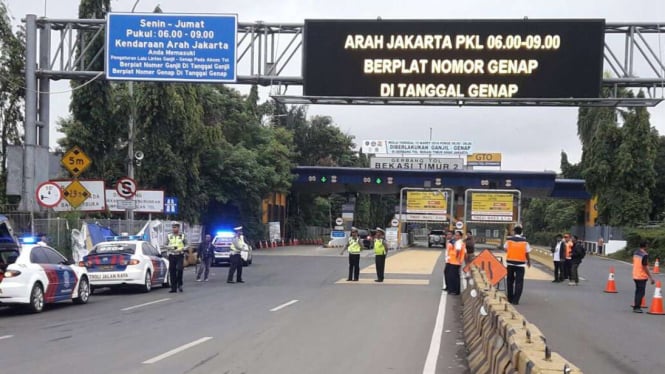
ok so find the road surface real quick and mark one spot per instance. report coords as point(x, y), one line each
point(295, 314)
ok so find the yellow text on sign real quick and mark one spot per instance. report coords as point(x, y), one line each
point(75, 161)
point(485, 157)
point(426, 202)
point(492, 203)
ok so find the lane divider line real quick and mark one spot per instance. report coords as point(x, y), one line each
point(283, 305)
point(145, 304)
point(437, 334)
point(176, 350)
point(6, 337)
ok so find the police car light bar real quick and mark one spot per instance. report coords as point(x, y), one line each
point(225, 234)
point(121, 237)
point(29, 239)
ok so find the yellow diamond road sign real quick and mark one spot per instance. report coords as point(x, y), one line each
point(75, 194)
point(75, 161)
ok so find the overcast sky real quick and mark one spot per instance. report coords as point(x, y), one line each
point(541, 132)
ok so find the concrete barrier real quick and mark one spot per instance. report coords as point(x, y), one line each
point(499, 339)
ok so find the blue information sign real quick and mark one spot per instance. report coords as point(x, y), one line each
point(336, 234)
point(171, 47)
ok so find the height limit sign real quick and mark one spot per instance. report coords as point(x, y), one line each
point(75, 161)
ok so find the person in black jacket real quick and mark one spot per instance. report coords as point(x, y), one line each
point(578, 253)
point(205, 253)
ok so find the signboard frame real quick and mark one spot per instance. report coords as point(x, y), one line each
point(416, 163)
point(167, 32)
point(517, 194)
point(398, 58)
point(94, 186)
point(109, 196)
point(419, 148)
point(488, 159)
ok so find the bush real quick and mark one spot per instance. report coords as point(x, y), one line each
point(655, 239)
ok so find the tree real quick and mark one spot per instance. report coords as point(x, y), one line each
point(658, 193)
point(12, 62)
point(99, 115)
point(635, 176)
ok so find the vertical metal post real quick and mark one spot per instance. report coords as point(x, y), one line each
point(130, 134)
point(29, 187)
point(44, 85)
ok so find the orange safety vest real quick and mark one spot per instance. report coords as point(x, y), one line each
point(638, 269)
point(453, 258)
point(516, 250)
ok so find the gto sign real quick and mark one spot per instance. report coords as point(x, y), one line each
point(483, 159)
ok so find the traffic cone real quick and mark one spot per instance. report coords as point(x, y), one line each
point(657, 301)
point(656, 267)
point(611, 286)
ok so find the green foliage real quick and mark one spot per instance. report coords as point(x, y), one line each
point(618, 161)
point(655, 237)
point(12, 83)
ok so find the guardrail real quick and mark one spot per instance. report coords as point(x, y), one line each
point(499, 339)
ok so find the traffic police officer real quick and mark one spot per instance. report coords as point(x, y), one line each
point(176, 246)
point(235, 260)
point(380, 251)
point(353, 246)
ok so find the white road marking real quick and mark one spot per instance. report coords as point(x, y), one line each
point(6, 337)
point(177, 350)
point(283, 305)
point(145, 304)
point(435, 344)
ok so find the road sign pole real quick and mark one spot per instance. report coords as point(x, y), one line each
point(130, 134)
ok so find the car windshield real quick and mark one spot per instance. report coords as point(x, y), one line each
point(363, 233)
point(104, 248)
point(436, 232)
point(222, 241)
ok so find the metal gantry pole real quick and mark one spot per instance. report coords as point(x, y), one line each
point(29, 186)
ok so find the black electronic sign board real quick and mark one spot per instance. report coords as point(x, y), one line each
point(453, 58)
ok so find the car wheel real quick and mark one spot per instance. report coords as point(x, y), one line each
point(36, 299)
point(147, 284)
point(84, 291)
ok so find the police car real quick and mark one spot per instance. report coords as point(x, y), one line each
point(126, 261)
point(34, 274)
point(222, 243)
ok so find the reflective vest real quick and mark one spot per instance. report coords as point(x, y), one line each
point(516, 250)
point(237, 245)
point(638, 269)
point(379, 247)
point(177, 242)
point(354, 246)
point(453, 257)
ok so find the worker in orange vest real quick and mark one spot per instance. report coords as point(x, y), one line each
point(640, 275)
point(456, 252)
point(517, 258)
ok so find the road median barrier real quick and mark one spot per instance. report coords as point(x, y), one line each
point(499, 339)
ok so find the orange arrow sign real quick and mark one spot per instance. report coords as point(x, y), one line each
point(491, 265)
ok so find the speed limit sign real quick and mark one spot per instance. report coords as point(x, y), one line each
point(126, 187)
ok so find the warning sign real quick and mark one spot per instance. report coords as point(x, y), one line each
point(491, 265)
